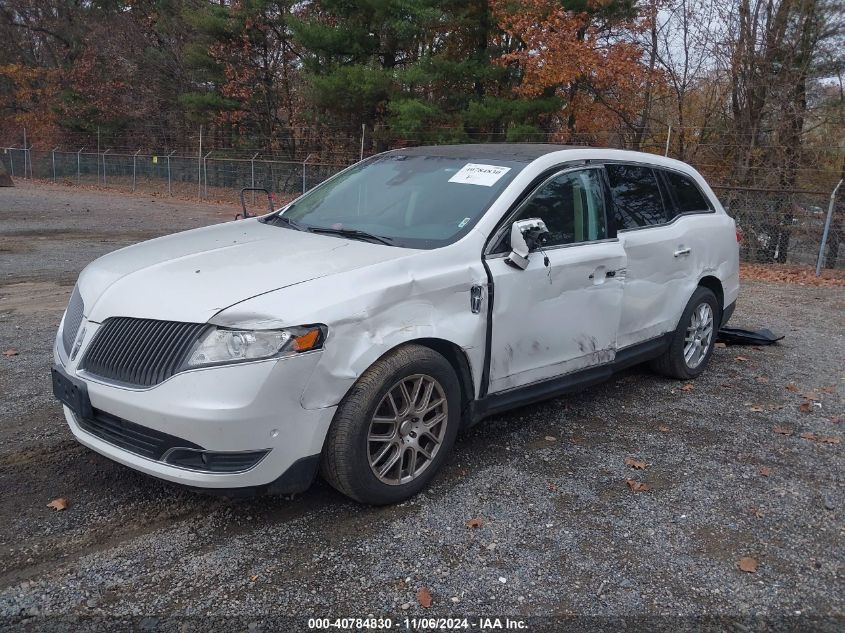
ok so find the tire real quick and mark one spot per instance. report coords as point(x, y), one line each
point(352, 462)
point(673, 363)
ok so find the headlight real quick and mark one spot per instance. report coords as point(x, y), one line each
point(219, 345)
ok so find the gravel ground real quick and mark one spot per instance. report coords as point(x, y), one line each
point(561, 533)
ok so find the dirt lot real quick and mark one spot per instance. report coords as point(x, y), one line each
point(736, 469)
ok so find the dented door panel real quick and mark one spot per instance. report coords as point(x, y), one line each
point(550, 321)
point(665, 264)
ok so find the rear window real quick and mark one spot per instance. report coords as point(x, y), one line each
point(637, 201)
point(687, 195)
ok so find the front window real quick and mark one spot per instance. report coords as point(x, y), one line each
point(572, 207)
point(406, 200)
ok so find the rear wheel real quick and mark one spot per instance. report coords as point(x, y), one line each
point(692, 343)
point(394, 428)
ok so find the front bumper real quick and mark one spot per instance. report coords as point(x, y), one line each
point(233, 408)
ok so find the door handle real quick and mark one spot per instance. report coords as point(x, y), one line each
point(682, 251)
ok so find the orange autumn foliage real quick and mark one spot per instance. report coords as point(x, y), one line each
point(599, 75)
point(32, 91)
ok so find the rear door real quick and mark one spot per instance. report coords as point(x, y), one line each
point(560, 314)
point(665, 225)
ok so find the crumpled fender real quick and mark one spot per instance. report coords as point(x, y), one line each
point(371, 310)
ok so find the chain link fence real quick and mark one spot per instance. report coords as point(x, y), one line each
point(779, 226)
point(206, 177)
point(786, 226)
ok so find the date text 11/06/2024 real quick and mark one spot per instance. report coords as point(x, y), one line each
point(417, 624)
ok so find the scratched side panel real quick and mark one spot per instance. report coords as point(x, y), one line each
point(370, 311)
point(552, 321)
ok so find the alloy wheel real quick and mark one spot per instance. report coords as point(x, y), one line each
point(699, 335)
point(407, 429)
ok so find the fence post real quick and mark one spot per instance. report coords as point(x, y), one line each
point(54, 163)
point(77, 164)
point(98, 154)
point(305, 162)
point(169, 190)
point(104, 165)
point(199, 168)
point(826, 228)
point(11, 162)
point(363, 132)
point(24, 155)
point(134, 157)
point(205, 172)
point(668, 137)
point(252, 167)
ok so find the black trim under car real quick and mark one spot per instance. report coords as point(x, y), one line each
point(297, 478)
point(727, 313)
point(488, 405)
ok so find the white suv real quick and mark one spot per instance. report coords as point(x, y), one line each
point(356, 330)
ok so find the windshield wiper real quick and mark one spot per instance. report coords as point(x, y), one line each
point(281, 219)
point(354, 234)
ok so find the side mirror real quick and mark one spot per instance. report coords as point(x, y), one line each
point(526, 235)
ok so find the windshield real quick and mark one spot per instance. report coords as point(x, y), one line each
point(412, 201)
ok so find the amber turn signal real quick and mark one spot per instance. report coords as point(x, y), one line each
point(307, 341)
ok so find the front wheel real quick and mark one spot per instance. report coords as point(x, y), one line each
point(693, 340)
point(394, 428)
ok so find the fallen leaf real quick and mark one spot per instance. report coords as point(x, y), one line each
point(828, 389)
point(829, 440)
point(756, 409)
point(741, 359)
point(550, 438)
point(805, 407)
point(808, 435)
point(837, 419)
point(687, 387)
point(553, 487)
point(663, 429)
point(791, 387)
point(782, 430)
point(10, 352)
point(757, 512)
point(474, 523)
point(58, 504)
point(720, 345)
point(747, 564)
point(762, 379)
point(254, 578)
point(635, 463)
point(783, 273)
point(424, 597)
point(765, 471)
point(637, 486)
point(810, 395)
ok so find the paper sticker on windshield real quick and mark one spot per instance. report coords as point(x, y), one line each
point(464, 222)
point(475, 174)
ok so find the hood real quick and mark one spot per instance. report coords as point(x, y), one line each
point(191, 276)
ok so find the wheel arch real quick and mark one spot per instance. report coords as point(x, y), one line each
point(458, 360)
point(455, 355)
point(713, 284)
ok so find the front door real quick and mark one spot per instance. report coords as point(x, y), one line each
point(561, 313)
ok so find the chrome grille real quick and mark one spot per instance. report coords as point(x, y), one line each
point(73, 319)
point(140, 352)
